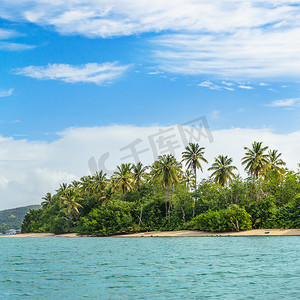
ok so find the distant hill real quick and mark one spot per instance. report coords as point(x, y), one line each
point(13, 218)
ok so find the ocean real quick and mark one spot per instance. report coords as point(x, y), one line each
point(150, 268)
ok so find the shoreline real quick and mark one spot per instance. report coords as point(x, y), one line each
point(179, 233)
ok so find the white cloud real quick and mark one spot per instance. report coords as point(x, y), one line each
point(209, 84)
point(291, 102)
point(92, 72)
point(240, 39)
point(6, 93)
point(212, 86)
point(227, 83)
point(15, 46)
point(7, 33)
point(105, 18)
point(29, 170)
point(154, 73)
point(246, 87)
point(241, 54)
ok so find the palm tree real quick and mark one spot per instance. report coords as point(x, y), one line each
point(256, 161)
point(108, 193)
point(70, 201)
point(75, 184)
point(168, 172)
point(47, 200)
point(62, 188)
point(276, 164)
point(188, 178)
point(123, 178)
point(87, 184)
point(193, 157)
point(99, 182)
point(222, 170)
point(139, 172)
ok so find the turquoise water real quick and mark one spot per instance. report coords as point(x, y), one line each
point(150, 268)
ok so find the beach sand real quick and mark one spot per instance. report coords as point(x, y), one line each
point(41, 235)
point(254, 232)
point(180, 233)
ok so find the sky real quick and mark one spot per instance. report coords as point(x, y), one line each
point(81, 81)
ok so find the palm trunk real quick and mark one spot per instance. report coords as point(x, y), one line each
point(170, 200)
point(194, 203)
point(183, 214)
point(166, 202)
point(195, 173)
point(140, 217)
point(253, 182)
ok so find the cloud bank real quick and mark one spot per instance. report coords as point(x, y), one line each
point(28, 170)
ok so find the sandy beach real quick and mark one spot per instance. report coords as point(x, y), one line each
point(180, 233)
point(41, 235)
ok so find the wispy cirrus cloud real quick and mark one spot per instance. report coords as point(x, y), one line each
point(286, 103)
point(91, 73)
point(212, 86)
point(241, 54)
point(224, 85)
point(6, 93)
point(7, 34)
point(15, 46)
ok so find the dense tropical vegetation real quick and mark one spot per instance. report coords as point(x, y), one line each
point(164, 196)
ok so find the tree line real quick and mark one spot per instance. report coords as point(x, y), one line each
point(167, 196)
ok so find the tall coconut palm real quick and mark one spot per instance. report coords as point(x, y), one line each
point(87, 184)
point(193, 157)
point(188, 178)
point(62, 188)
point(256, 161)
point(276, 164)
point(99, 182)
point(75, 184)
point(167, 170)
point(139, 173)
point(70, 200)
point(47, 200)
point(108, 193)
point(222, 170)
point(123, 178)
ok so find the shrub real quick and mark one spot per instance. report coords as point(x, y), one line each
point(234, 218)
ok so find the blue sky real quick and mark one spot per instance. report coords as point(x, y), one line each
point(104, 63)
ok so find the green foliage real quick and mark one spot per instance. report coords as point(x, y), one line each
point(261, 211)
point(287, 216)
point(109, 219)
point(13, 218)
point(233, 218)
